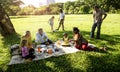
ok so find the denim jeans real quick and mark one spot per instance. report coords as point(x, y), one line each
point(98, 25)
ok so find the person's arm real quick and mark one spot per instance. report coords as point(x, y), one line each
point(37, 38)
point(59, 19)
point(63, 16)
point(45, 37)
point(49, 21)
point(94, 17)
point(105, 15)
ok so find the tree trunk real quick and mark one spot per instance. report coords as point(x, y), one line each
point(6, 26)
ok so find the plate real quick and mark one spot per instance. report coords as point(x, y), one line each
point(42, 45)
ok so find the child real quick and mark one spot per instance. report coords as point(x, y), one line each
point(51, 22)
point(25, 51)
point(65, 39)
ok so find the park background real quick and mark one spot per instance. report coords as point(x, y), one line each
point(78, 14)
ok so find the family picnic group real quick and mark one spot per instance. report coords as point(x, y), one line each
point(78, 40)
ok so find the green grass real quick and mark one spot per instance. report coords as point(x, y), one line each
point(87, 61)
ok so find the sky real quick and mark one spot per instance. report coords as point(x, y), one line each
point(37, 3)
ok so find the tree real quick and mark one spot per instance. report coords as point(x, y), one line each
point(84, 9)
point(11, 6)
point(71, 10)
point(6, 26)
point(66, 6)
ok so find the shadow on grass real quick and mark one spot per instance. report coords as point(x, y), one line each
point(11, 40)
point(53, 64)
point(107, 63)
point(6, 43)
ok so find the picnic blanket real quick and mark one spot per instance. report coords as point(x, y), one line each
point(57, 51)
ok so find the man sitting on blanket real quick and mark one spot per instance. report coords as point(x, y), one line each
point(41, 37)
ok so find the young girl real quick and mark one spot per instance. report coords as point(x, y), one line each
point(51, 22)
point(25, 51)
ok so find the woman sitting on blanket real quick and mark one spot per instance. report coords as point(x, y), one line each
point(79, 41)
point(27, 37)
point(28, 43)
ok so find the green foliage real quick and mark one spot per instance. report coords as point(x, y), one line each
point(28, 10)
point(75, 7)
point(84, 9)
point(71, 10)
point(11, 6)
point(48, 9)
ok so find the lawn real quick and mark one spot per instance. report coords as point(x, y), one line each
point(82, 61)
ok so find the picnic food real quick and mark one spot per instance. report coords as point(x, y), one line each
point(58, 42)
point(49, 51)
point(39, 49)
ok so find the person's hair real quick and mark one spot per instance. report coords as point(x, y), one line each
point(75, 30)
point(97, 7)
point(24, 43)
point(27, 32)
point(40, 29)
point(53, 17)
point(61, 11)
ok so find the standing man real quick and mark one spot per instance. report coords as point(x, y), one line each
point(61, 19)
point(98, 15)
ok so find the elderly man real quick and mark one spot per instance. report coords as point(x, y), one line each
point(41, 37)
point(98, 15)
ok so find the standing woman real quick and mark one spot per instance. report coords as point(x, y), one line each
point(61, 19)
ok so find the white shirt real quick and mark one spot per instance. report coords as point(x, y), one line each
point(62, 15)
point(41, 38)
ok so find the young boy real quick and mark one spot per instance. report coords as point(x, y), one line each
point(51, 22)
point(65, 39)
